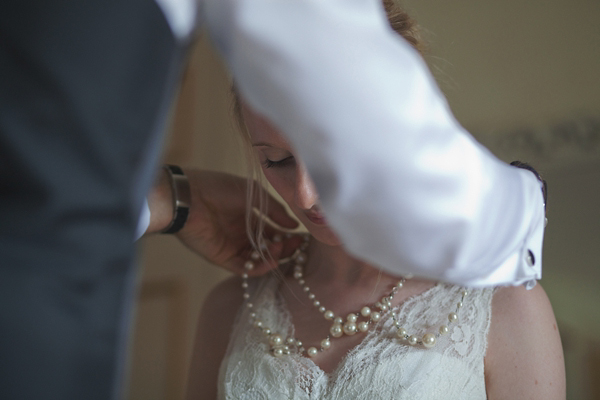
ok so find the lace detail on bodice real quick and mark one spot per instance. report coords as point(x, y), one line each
point(380, 367)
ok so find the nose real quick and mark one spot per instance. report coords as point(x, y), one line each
point(305, 195)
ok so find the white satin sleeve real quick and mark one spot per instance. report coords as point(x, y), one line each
point(402, 183)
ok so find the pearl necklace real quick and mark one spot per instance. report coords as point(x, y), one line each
point(280, 346)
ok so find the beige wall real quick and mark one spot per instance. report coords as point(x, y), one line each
point(521, 75)
point(172, 278)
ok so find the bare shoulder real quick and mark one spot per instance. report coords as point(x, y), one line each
point(524, 358)
point(518, 305)
point(212, 337)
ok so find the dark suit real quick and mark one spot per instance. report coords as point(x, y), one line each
point(84, 90)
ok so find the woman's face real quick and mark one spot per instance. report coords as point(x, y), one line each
point(288, 175)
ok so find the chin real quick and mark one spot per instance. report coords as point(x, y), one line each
point(325, 235)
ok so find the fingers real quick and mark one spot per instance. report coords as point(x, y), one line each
point(273, 255)
point(279, 248)
point(254, 265)
point(290, 245)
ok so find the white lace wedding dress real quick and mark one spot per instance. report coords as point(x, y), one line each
point(380, 367)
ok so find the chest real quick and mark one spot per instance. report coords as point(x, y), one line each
point(372, 365)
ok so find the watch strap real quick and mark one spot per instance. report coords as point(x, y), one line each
point(180, 190)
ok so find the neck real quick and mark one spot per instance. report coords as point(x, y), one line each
point(333, 264)
point(333, 270)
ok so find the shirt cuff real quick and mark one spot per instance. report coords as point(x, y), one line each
point(143, 221)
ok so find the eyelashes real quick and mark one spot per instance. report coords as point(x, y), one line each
point(281, 163)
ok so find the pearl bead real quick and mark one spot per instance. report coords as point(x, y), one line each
point(383, 308)
point(258, 323)
point(336, 330)
point(459, 304)
point(349, 328)
point(306, 289)
point(255, 255)
point(302, 281)
point(400, 284)
point(301, 258)
point(375, 316)
point(325, 344)
point(316, 303)
point(429, 340)
point(252, 315)
point(464, 293)
point(312, 351)
point(275, 340)
point(246, 296)
point(386, 301)
point(452, 317)
point(278, 352)
point(291, 341)
point(329, 314)
point(412, 340)
point(322, 309)
point(338, 320)
point(401, 333)
point(245, 285)
point(351, 318)
point(311, 296)
point(378, 305)
point(287, 352)
point(249, 265)
point(297, 275)
point(363, 326)
point(298, 343)
point(244, 276)
point(266, 331)
point(443, 330)
point(249, 305)
point(365, 311)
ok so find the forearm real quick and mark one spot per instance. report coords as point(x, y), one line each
point(402, 183)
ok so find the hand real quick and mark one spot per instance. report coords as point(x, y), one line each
point(216, 225)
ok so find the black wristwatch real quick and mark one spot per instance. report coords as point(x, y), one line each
point(180, 190)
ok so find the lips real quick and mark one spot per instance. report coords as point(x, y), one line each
point(316, 217)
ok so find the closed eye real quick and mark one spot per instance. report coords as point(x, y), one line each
point(280, 163)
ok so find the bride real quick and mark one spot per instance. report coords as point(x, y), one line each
point(329, 326)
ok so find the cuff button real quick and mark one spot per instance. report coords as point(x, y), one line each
point(530, 258)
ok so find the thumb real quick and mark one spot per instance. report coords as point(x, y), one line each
point(274, 254)
point(290, 245)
